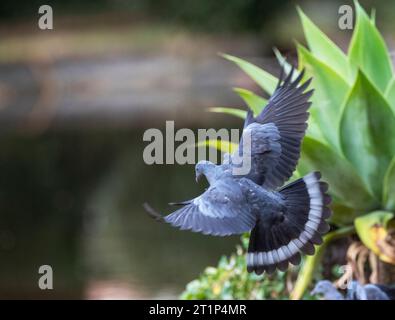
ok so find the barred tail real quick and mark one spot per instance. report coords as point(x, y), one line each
point(302, 226)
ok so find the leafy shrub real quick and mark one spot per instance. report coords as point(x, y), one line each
point(229, 280)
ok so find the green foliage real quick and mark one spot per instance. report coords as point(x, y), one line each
point(328, 99)
point(336, 170)
point(229, 280)
point(232, 111)
point(389, 187)
point(368, 128)
point(253, 101)
point(373, 228)
point(322, 47)
point(264, 79)
point(223, 146)
point(351, 135)
point(368, 51)
point(390, 93)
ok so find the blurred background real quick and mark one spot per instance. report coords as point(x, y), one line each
point(74, 104)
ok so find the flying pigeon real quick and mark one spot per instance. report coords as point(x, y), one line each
point(284, 220)
point(356, 291)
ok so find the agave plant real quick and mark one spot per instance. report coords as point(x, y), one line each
point(351, 132)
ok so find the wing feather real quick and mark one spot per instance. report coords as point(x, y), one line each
point(276, 133)
point(221, 210)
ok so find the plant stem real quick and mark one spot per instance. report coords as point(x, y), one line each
point(310, 264)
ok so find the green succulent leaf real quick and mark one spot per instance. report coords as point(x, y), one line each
point(223, 146)
point(390, 93)
point(323, 48)
point(369, 52)
point(343, 214)
point(367, 132)
point(231, 111)
point(344, 182)
point(253, 101)
point(264, 79)
point(313, 129)
point(284, 63)
point(389, 187)
point(373, 16)
point(330, 90)
point(372, 229)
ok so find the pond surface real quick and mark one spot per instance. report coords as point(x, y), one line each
point(73, 180)
point(73, 200)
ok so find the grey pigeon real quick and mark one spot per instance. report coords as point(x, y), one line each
point(356, 291)
point(284, 220)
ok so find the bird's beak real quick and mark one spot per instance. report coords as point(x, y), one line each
point(198, 177)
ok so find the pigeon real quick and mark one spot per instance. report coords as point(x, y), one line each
point(284, 221)
point(355, 291)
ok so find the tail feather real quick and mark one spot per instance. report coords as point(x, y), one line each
point(301, 228)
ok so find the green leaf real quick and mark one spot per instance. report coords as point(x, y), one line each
point(367, 132)
point(313, 129)
point(344, 183)
point(284, 63)
point(389, 187)
point(232, 111)
point(264, 79)
point(329, 93)
point(253, 101)
point(323, 48)
point(342, 214)
point(390, 93)
point(223, 146)
point(369, 52)
point(372, 229)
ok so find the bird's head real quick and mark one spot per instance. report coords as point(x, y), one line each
point(204, 168)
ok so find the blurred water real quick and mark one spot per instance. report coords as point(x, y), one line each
point(73, 200)
point(73, 180)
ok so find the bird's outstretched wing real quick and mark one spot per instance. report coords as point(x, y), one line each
point(276, 133)
point(221, 210)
